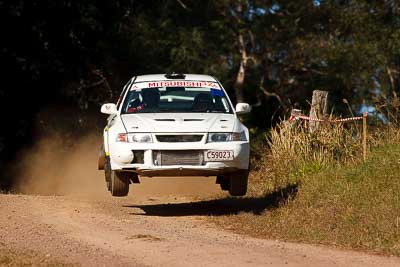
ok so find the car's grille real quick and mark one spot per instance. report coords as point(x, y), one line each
point(179, 138)
point(178, 157)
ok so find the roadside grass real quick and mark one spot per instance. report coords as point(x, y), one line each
point(339, 199)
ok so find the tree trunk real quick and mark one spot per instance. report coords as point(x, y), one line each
point(319, 108)
point(242, 71)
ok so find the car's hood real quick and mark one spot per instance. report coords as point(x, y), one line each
point(178, 122)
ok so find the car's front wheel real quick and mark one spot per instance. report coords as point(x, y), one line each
point(223, 181)
point(238, 183)
point(107, 173)
point(119, 186)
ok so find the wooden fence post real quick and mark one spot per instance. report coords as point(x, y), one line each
point(365, 114)
point(319, 108)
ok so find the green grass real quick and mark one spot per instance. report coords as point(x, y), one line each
point(355, 206)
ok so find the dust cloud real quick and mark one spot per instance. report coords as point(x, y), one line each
point(57, 166)
point(60, 165)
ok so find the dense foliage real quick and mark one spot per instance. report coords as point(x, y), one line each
point(269, 53)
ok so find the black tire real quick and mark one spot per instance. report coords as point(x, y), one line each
point(107, 173)
point(101, 162)
point(223, 182)
point(224, 186)
point(119, 184)
point(238, 183)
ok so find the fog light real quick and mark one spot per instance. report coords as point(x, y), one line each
point(125, 157)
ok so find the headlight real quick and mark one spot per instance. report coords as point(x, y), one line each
point(135, 138)
point(140, 138)
point(219, 137)
point(226, 137)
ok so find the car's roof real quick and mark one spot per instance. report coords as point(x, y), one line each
point(161, 77)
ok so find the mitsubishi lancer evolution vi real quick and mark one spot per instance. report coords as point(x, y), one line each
point(175, 125)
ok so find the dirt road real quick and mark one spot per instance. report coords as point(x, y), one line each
point(150, 230)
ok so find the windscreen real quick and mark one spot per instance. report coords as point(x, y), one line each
point(176, 97)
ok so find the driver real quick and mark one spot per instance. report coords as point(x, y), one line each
point(135, 103)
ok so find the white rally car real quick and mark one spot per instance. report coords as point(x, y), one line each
point(175, 125)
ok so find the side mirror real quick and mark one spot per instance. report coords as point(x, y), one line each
point(242, 108)
point(109, 108)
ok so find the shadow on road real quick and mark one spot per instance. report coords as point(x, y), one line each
point(218, 207)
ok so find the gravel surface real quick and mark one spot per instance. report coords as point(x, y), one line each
point(148, 231)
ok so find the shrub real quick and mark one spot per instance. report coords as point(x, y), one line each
point(294, 151)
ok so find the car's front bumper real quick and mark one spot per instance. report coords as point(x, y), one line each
point(185, 171)
point(149, 166)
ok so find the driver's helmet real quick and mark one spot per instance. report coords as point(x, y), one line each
point(136, 102)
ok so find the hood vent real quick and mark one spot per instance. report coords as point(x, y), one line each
point(183, 119)
point(193, 119)
point(164, 119)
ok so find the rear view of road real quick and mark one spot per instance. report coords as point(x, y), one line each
point(144, 231)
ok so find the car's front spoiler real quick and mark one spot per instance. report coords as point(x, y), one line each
point(180, 171)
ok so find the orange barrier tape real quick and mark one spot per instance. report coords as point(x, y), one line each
point(303, 117)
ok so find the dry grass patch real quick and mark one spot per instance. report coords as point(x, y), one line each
point(145, 237)
point(12, 257)
point(339, 200)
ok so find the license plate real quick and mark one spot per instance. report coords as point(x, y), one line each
point(218, 155)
